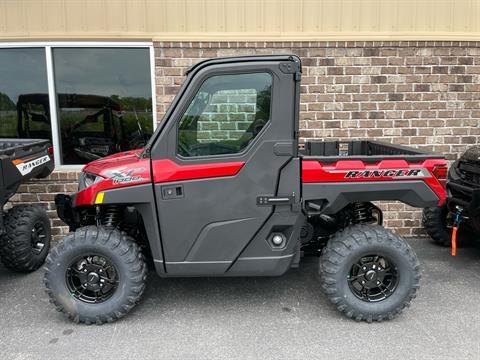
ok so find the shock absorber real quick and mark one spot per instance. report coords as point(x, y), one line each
point(366, 213)
point(111, 216)
point(361, 213)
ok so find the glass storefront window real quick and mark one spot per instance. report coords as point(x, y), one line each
point(104, 101)
point(24, 105)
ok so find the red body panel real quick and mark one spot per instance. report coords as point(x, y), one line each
point(314, 171)
point(167, 170)
point(118, 170)
point(129, 169)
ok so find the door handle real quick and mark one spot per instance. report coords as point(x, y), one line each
point(172, 192)
point(268, 200)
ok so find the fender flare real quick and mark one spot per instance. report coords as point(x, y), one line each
point(142, 198)
point(337, 195)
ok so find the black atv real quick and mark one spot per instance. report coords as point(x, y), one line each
point(24, 229)
point(462, 208)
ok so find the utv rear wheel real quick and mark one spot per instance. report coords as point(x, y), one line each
point(434, 221)
point(26, 241)
point(369, 273)
point(95, 275)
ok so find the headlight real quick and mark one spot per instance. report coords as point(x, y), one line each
point(86, 179)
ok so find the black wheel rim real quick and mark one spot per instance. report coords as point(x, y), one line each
point(92, 279)
point(373, 278)
point(38, 237)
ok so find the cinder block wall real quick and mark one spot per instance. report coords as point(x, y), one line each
point(423, 94)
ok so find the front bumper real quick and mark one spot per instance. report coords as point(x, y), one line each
point(466, 197)
point(65, 211)
point(462, 193)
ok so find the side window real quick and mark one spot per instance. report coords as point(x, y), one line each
point(225, 115)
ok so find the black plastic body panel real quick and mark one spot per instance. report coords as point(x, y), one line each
point(141, 197)
point(65, 210)
point(337, 195)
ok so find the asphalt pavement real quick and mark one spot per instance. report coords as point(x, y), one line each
point(253, 318)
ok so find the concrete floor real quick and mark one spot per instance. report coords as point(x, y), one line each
point(253, 318)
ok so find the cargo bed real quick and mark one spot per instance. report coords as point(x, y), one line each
point(366, 150)
point(341, 172)
point(19, 147)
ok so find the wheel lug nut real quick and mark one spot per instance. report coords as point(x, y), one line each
point(373, 266)
point(363, 282)
point(378, 282)
point(364, 268)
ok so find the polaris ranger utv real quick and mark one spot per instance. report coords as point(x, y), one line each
point(461, 211)
point(222, 189)
point(24, 229)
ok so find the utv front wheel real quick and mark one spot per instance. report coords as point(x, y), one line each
point(26, 241)
point(95, 275)
point(369, 273)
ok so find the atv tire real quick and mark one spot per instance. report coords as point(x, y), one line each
point(359, 258)
point(83, 261)
point(26, 241)
point(434, 222)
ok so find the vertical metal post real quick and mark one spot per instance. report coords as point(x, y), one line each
point(154, 92)
point(52, 97)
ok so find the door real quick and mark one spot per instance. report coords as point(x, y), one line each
point(231, 132)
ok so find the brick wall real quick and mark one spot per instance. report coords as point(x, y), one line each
point(231, 112)
point(423, 94)
point(42, 192)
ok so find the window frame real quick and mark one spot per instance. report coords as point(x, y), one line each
point(48, 46)
point(254, 140)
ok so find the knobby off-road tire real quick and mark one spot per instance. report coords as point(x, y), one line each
point(360, 242)
point(95, 248)
point(26, 241)
point(434, 222)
